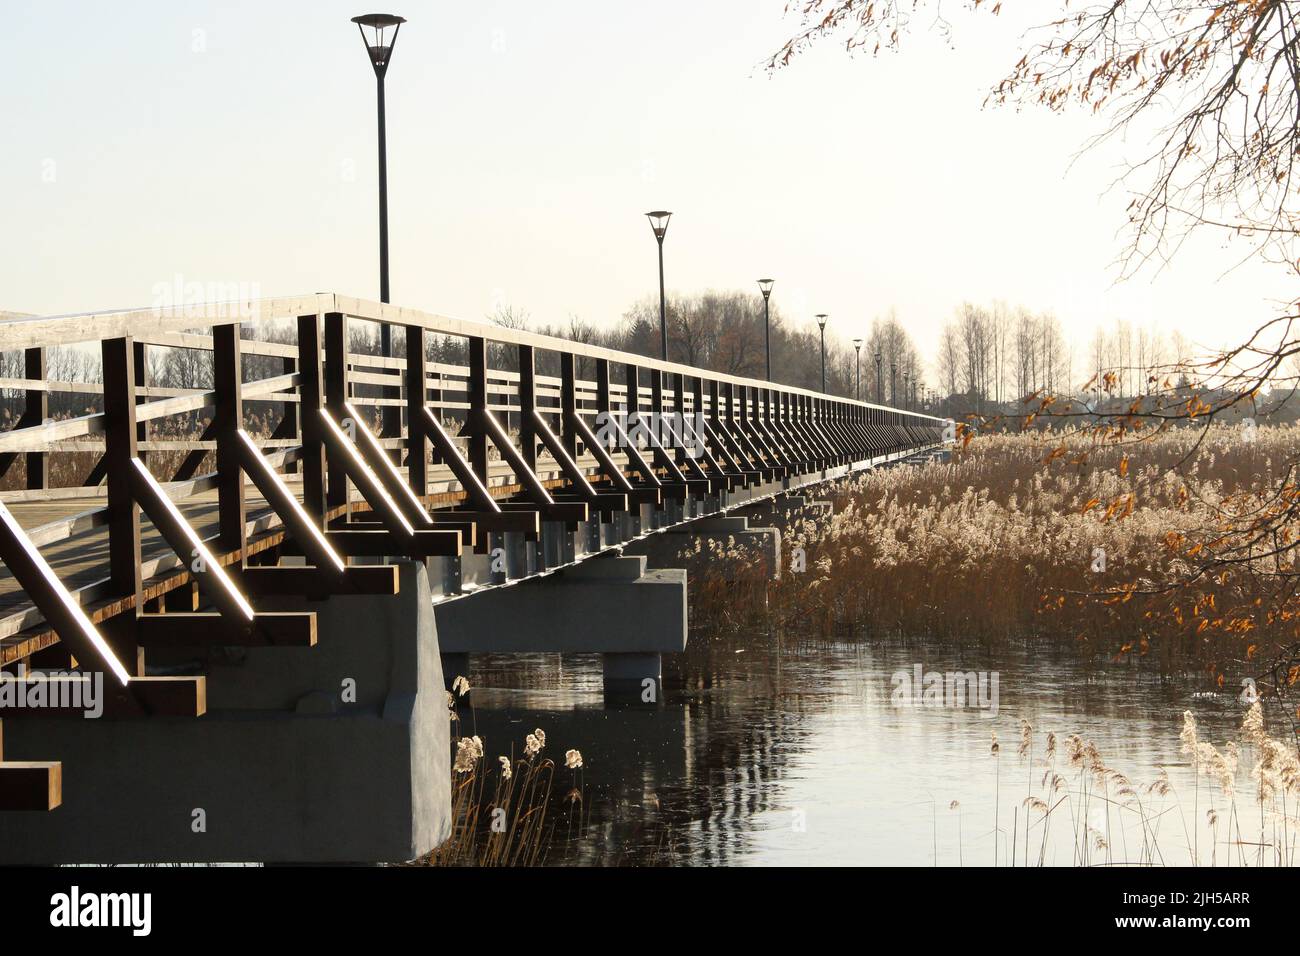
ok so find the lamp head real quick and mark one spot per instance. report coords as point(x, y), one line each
point(765, 286)
point(379, 34)
point(821, 320)
point(659, 222)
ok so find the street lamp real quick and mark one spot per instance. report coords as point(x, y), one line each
point(880, 398)
point(906, 374)
point(821, 324)
point(379, 34)
point(893, 384)
point(659, 223)
point(857, 369)
point(765, 287)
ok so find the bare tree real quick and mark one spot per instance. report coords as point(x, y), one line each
point(1218, 80)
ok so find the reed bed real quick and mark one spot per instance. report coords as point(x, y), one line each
point(1230, 817)
point(508, 810)
point(1028, 536)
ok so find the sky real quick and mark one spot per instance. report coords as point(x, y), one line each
point(232, 144)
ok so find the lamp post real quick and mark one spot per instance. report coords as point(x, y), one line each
point(880, 397)
point(375, 34)
point(906, 374)
point(659, 223)
point(893, 384)
point(821, 324)
point(765, 287)
point(379, 34)
point(857, 369)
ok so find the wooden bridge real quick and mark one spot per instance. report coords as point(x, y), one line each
point(310, 466)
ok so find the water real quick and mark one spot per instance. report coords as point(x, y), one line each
point(782, 752)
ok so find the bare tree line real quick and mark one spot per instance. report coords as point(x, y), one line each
point(723, 331)
point(990, 355)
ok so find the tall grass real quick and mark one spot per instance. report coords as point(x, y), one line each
point(1112, 821)
point(507, 810)
point(1001, 543)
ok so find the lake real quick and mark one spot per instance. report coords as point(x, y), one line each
point(779, 751)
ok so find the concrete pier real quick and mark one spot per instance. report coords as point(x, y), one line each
point(326, 754)
point(611, 605)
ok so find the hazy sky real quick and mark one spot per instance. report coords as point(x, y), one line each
point(233, 142)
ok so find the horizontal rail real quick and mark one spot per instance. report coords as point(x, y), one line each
point(153, 324)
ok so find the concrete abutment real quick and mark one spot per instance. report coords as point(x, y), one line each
point(327, 754)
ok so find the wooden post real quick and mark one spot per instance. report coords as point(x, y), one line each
point(602, 386)
point(336, 393)
point(633, 384)
point(527, 405)
point(390, 416)
point(417, 448)
point(568, 404)
point(227, 419)
point(291, 423)
point(140, 357)
point(311, 393)
point(477, 387)
point(120, 448)
point(35, 410)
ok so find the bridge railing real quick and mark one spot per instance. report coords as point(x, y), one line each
point(488, 431)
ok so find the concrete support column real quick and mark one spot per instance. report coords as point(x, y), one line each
point(591, 534)
point(327, 754)
point(633, 678)
point(608, 605)
point(497, 567)
point(519, 560)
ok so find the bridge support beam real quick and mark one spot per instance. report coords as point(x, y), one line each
point(610, 605)
point(336, 753)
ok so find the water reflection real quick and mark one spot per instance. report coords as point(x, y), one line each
point(771, 751)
